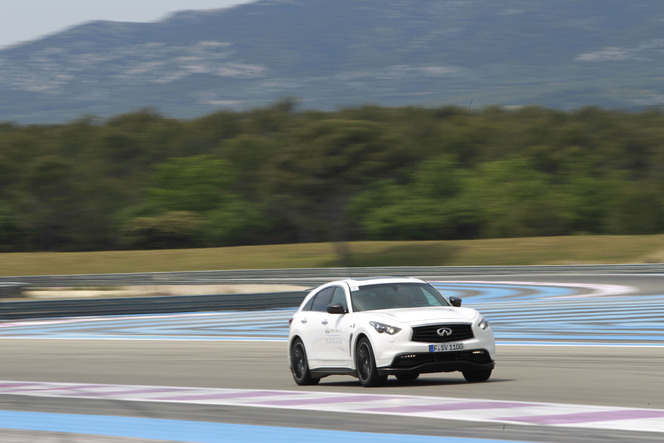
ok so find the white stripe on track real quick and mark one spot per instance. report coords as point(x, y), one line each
point(596, 289)
point(446, 408)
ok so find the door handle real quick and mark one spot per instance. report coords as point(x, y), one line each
point(304, 320)
point(324, 321)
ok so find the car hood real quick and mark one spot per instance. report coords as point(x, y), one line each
point(413, 316)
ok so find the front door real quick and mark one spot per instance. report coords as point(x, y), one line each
point(338, 332)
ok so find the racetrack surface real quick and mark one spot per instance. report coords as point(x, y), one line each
point(601, 373)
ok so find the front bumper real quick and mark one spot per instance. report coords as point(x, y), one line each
point(427, 362)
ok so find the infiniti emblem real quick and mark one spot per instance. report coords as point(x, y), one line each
point(444, 332)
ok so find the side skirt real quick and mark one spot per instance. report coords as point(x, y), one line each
point(324, 372)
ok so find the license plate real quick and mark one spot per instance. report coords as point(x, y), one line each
point(446, 347)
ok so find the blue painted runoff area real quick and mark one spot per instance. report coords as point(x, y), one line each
point(198, 432)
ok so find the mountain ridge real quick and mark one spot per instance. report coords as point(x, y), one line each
point(566, 54)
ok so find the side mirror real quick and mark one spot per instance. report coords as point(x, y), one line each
point(455, 301)
point(336, 308)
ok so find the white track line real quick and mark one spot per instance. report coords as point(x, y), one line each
point(446, 408)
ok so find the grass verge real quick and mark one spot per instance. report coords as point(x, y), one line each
point(515, 251)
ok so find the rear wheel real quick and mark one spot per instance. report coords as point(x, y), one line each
point(300, 366)
point(365, 362)
point(477, 375)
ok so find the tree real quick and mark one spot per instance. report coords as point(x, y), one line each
point(195, 184)
point(638, 208)
point(426, 208)
point(513, 200)
point(46, 200)
point(237, 222)
point(8, 230)
point(327, 163)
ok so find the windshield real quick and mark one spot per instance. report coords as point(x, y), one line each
point(396, 295)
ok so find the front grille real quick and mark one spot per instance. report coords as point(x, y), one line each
point(429, 334)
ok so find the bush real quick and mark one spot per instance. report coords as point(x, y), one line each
point(171, 230)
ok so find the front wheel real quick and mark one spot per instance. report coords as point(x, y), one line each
point(477, 375)
point(300, 366)
point(367, 372)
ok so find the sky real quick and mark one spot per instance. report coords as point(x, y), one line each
point(24, 20)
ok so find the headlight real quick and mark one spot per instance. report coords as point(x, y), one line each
point(381, 327)
point(483, 324)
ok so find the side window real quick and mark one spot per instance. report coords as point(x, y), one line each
point(307, 307)
point(322, 299)
point(339, 296)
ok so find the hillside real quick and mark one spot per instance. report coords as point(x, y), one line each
point(329, 54)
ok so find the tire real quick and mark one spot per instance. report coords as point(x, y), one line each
point(365, 362)
point(300, 365)
point(408, 376)
point(477, 375)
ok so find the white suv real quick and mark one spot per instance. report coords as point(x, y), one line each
point(375, 327)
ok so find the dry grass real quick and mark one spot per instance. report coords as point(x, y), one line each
point(516, 251)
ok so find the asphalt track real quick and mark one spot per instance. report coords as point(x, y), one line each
point(600, 374)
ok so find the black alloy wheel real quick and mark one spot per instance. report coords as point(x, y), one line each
point(300, 366)
point(367, 372)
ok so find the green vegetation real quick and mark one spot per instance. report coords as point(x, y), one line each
point(277, 175)
point(518, 251)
